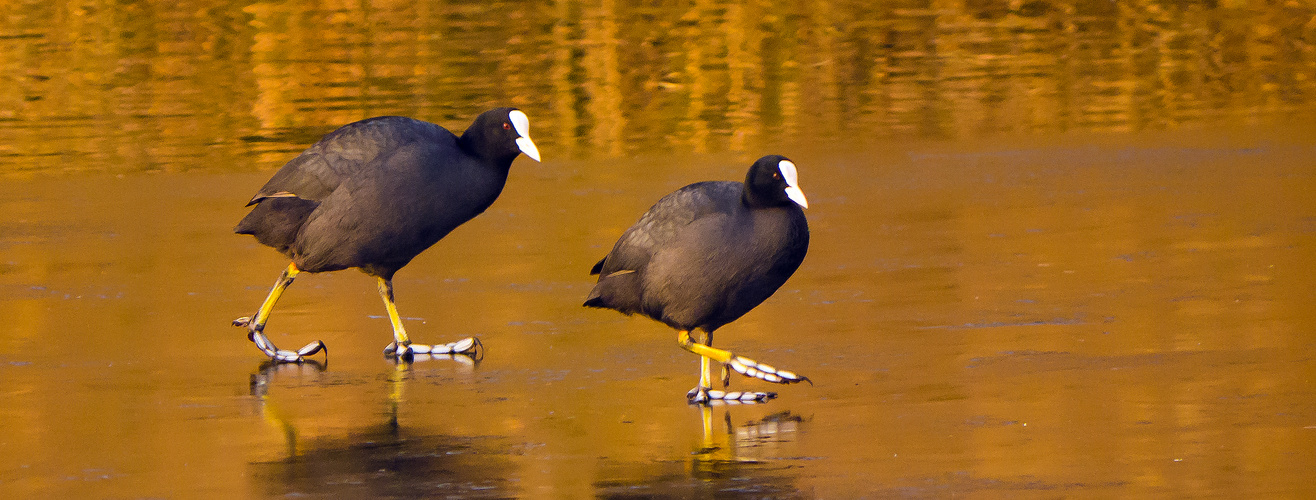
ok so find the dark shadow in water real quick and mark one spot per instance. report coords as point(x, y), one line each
point(385, 460)
point(268, 370)
point(380, 460)
point(727, 464)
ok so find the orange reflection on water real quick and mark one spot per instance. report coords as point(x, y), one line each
point(1059, 249)
point(176, 86)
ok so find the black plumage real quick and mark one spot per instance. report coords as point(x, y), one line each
point(709, 252)
point(376, 193)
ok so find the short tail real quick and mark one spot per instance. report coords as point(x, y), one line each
point(598, 268)
point(619, 291)
point(595, 298)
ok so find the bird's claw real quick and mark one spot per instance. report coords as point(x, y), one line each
point(751, 368)
point(285, 356)
point(469, 346)
point(256, 336)
point(703, 395)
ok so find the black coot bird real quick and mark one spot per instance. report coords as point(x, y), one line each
point(705, 255)
point(373, 195)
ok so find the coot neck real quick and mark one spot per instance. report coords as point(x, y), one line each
point(752, 200)
point(474, 141)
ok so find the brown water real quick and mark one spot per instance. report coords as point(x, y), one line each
point(1060, 249)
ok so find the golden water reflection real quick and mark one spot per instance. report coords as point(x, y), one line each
point(173, 86)
point(1059, 249)
point(1105, 315)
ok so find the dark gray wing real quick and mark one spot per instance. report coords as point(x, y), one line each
point(665, 220)
point(283, 205)
point(320, 169)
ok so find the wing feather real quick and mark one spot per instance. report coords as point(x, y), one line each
point(320, 169)
point(665, 220)
point(295, 193)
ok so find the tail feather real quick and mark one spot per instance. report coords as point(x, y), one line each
point(276, 221)
point(595, 298)
point(619, 291)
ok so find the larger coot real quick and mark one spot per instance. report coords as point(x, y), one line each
point(374, 194)
point(705, 255)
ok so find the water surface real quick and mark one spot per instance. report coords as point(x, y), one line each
point(1057, 251)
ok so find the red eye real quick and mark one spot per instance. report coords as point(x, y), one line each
point(507, 126)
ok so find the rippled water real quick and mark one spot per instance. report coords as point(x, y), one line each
point(1059, 249)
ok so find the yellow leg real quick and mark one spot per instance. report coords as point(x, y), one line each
point(256, 325)
point(705, 374)
point(707, 352)
point(705, 367)
point(386, 292)
point(285, 279)
point(402, 346)
point(740, 364)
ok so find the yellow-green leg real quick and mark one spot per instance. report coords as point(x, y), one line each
point(256, 325)
point(705, 369)
point(741, 364)
point(402, 347)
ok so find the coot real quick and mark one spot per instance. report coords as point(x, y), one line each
point(374, 194)
point(705, 255)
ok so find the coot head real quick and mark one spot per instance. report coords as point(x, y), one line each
point(501, 134)
point(773, 181)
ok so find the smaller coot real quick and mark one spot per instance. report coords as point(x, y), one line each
point(705, 255)
point(373, 195)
